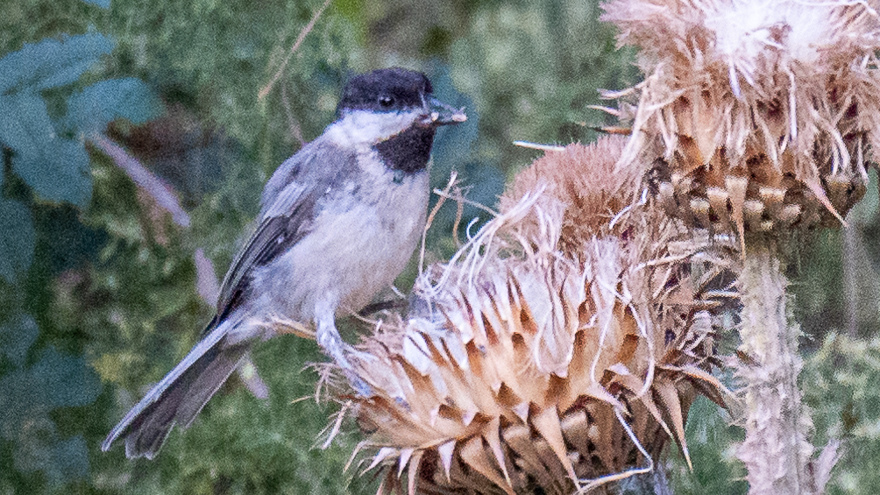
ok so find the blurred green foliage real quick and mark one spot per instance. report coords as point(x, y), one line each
point(44, 111)
point(710, 444)
point(98, 287)
point(843, 377)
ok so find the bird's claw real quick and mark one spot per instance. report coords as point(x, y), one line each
point(360, 387)
point(348, 359)
point(354, 359)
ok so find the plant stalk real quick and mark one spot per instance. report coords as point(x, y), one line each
point(776, 451)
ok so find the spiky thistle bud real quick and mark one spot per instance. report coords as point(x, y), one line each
point(561, 348)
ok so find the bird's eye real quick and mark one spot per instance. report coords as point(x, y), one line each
point(386, 101)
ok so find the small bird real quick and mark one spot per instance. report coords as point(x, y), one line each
point(339, 221)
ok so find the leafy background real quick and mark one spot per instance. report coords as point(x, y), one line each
point(102, 290)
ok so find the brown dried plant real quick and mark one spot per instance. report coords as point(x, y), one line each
point(560, 348)
point(757, 115)
point(753, 114)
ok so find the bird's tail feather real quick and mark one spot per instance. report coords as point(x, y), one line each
point(181, 394)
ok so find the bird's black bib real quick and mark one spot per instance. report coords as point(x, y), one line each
point(408, 151)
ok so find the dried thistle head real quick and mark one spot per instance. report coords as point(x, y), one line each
point(526, 365)
point(582, 182)
point(754, 113)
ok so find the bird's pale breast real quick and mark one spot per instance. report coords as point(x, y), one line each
point(364, 236)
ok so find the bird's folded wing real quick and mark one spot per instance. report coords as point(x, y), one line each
point(290, 204)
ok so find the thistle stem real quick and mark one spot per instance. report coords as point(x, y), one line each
point(776, 451)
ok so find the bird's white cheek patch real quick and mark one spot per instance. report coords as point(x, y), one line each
point(361, 127)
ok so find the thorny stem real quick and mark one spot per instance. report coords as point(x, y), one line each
point(776, 451)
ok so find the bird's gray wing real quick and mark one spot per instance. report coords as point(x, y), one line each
point(289, 205)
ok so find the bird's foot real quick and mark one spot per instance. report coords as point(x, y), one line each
point(348, 359)
point(360, 387)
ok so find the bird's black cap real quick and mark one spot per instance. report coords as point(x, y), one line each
point(385, 90)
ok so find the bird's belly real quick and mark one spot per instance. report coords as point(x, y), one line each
point(355, 250)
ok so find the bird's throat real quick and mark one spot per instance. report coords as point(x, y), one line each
point(408, 151)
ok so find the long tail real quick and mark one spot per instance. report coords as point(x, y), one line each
point(179, 397)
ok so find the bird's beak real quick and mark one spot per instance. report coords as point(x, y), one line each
point(440, 113)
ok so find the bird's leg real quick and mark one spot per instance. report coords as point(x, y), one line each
point(332, 344)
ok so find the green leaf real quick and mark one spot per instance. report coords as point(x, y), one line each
point(56, 380)
point(17, 336)
point(56, 168)
point(97, 105)
point(25, 125)
point(70, 460)
point(61, 173)
point(52, 63)
point(67, 381)
point(18, 401)
point(16, 239)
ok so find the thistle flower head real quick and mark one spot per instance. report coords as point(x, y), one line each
point(542, 355)
point(753, 113)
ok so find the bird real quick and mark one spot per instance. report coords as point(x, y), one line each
point(339, 220)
